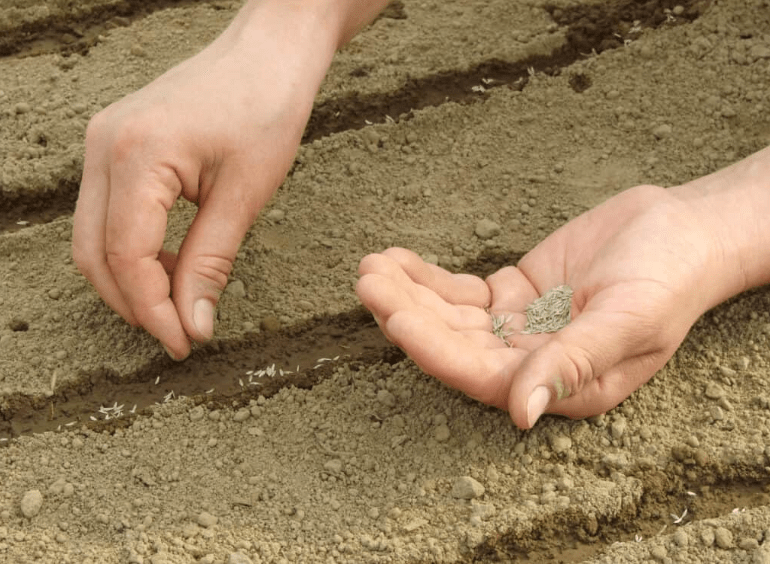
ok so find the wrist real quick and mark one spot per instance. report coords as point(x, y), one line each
point(303, 34)
point(733, 205)
point(324, 24)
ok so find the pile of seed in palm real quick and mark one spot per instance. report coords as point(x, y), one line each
point(550, 312)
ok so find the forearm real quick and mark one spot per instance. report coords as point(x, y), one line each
point(735, 205)
point(298, 35)
point(337, 21)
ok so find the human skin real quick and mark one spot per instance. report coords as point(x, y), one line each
point(633, 261)
point(255, 85)
point(644, 265)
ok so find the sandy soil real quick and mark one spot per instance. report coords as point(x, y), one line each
point(299, 435)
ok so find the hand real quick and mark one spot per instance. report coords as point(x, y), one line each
point(641, 266)
point(221, 129)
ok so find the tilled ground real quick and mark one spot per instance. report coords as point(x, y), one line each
point(299, 434)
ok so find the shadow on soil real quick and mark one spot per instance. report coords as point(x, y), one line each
point(590, 29)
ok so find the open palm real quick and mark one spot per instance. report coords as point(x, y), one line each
point(632, 263)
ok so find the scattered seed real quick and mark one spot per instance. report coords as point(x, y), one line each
point(498, 324)
point(678, 519)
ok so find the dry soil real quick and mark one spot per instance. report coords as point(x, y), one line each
point(299, 434)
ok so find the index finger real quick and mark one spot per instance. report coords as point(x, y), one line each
point(136, 225)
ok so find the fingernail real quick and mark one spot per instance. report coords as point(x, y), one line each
point(536, 404)
point(203, 317)
point(172, 355)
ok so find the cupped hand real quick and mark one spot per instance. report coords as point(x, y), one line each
point(641, 266)
point(221, 130)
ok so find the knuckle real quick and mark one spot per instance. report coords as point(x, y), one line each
point(129, 138)
point(97, 127)
point(579, 370)
point(214, 270)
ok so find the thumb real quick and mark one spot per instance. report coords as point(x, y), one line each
point(567, 374)
point(206, 258)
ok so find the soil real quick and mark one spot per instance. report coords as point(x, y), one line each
point(299, 434)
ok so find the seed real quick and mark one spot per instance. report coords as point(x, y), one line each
point(550, 312)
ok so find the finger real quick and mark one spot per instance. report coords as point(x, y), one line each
point(575, 357)
point(482, 373)
point(544, 266)
point(454, 288)
point(207, 254)
point(136, 226)
point(511, 290)
point(383, 297)
point(89, 248)
point(385, 266)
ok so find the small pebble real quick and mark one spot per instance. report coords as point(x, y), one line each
point(748, 544)
point(716, 413)
point(236, 289)
point(270, 323)
point(206, 519)
point(714, 391)
point(681, 538)
point(560, 443)
point(238, 558)
point(618, 427)
point(31, 503)
point(467, 488)
point(723, 538)
point(334, 466)
point(486, 229)
point(659, 553)
point(276, 215)
point(442, 433)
